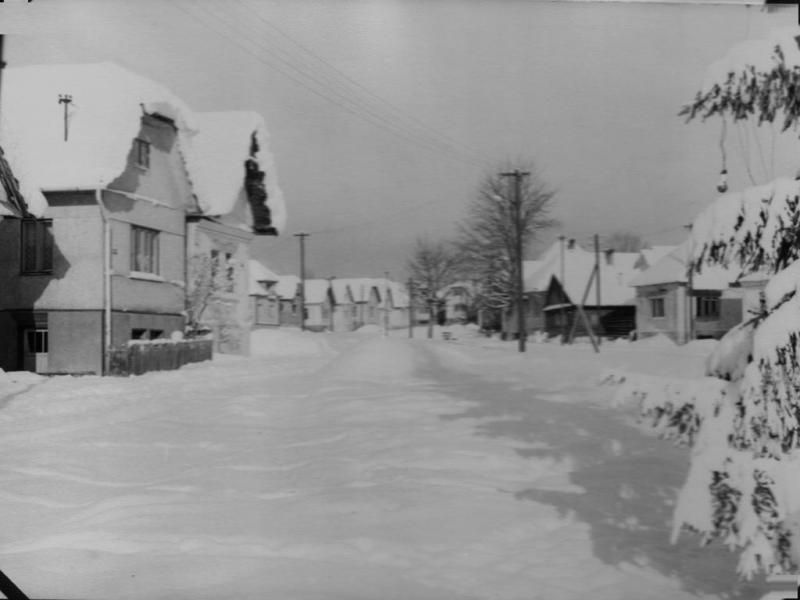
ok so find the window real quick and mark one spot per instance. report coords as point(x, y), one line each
point(37, 246)
point(138, 334)
point(708, 306)
point(144, 250)
point(141, 153)
point(230, 273)
point(657, 307)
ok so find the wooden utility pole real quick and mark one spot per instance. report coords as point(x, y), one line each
point(66, 100)
point(410, 308)
point(597, 283)
point(564, 293)
point(386, 305)
point(516, 203)
point(302, 237)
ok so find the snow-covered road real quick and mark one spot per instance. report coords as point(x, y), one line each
point(363, 467)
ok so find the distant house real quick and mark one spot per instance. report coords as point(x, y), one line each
point(367, 297)
point(399, 305)
point(319, 304)
point(345, 310)
point(667, 303)
point(108, 262)
point(458, 298)
point(288, 290)
point(265, 305)
point(237, 198)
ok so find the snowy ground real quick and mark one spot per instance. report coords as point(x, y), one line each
point(352, 466)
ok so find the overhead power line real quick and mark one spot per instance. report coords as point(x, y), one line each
point(356, 84)
point(311, 82)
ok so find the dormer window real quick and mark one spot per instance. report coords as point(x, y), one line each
point(141, 152)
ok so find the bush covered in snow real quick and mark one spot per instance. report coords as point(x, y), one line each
point(743, 421)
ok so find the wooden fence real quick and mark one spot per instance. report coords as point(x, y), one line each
point(136, 359)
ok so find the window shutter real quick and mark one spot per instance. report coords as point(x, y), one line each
point(46, 245)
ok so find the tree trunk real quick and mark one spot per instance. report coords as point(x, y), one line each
point(430, 318)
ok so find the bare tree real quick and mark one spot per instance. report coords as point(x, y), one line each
point(433, 266)
point(624, 241)
point(488, 237)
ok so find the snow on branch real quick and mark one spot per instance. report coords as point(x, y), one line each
point(758, 228)
point(756, 79)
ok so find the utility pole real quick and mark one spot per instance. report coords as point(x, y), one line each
point(65, 99)
point(597, 282)
point(690, 287)
point(302, 237)
point(386, 305)
point(516, 203)
point(410, 308)
point(564, 293)
point(2, 62)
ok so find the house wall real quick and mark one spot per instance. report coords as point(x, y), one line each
point(675, 322)
point(72, 295)
point(290, 313)
point(76, 280)
point(75, 340)
point(344, 317)
point(606, 321)
point(672, 324)
point(730, 315)
point(266, 311)
point(166, 179)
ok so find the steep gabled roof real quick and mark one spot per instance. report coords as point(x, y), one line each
point(316, 290)
point(216, 160)
point(361, 288)
point(259, 273)
point(342, 294)
point(104, 117)
point(287, 286)
point(617, 269)
point(672, 268)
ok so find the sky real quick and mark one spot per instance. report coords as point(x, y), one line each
point(386, 115)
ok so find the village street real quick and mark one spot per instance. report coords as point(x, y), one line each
point(346, 466)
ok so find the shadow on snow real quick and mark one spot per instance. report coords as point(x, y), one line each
point(631, 480)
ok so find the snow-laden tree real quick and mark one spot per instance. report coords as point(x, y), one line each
point(488, 236)
point(743, 485)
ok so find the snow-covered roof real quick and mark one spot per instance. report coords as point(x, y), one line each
point(17, 196)
point(287, 286)
point(653, 255)
point(672, 269)
point(616, 271)
point(104, 117)
point(529, 267)
point(216, 159)
point(259, 273)
point(342, 294)
point(759, 54)
point(361, 286)
point(316, 290)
